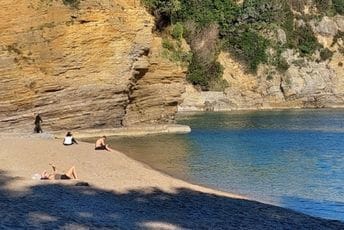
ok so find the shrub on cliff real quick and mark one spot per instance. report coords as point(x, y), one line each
point(338, 6)
point(305, 40)
point(207, 12)
point(246, 30)
point(204, 75)
point(163, 10)
point(177, 31)
point(330, 7)
point(249, 46)
point(174, 52)
point(248, 36)
point(323, 5)
point(205, 46)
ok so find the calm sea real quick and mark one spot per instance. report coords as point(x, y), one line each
point(290, 158)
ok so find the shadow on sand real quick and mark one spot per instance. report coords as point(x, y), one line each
point(58, 205)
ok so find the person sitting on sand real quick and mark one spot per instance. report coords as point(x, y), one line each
point(69, 175)
point(69, 139)
point(100, 144)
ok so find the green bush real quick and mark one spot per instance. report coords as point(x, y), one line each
point(306, 41)
point(167, 44)
point(330, 7)
point(303, 39)
point(168, 7)
point(268, 11)
point(206, 12)
point(249, 46)
point(163, 10)
point(254, 47)
point(180, 56)
point(203, 75)
point(338, 6)
point(197, 74)
point(323, 5)
point(177, 31)
point(246, 39)
point(242, 29)
point(174, 52)
point(218, 85)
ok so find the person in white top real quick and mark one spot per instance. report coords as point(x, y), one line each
point(69, 139)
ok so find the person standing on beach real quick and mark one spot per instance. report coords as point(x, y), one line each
point(38, 121)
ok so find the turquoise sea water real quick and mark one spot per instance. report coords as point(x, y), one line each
point(293, 159)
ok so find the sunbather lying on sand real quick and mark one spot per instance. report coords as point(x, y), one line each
point(70, 174)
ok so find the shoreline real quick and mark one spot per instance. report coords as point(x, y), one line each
point(140, 196)
point(147, 165)
point(272, 109)
point(139, 130)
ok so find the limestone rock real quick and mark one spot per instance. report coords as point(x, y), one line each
point(327, 27)
point(281, 36)
point(339, 19)
point(311, 79)
point(154, 97)
point(192, 100)
point(81, 67)
point(308, 82)
point(304, 84)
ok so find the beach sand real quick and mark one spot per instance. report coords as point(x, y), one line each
point(122, 194)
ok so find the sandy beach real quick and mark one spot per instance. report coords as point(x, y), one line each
point(122, 194)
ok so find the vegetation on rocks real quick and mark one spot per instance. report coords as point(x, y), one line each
point(247, 30)
point(174, 51)
point(338, 6)
point(330, 7)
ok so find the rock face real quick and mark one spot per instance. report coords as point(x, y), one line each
point(154, 97)
point(313, 83)
point(96, 64)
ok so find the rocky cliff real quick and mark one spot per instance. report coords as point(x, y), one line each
point(99, 64)
point(306, 82)
point(83, 64)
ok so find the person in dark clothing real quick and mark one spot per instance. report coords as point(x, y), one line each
point(38, 121)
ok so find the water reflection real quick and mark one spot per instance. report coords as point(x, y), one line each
point(290, 158)
point(167, 153)
point(316, 120)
